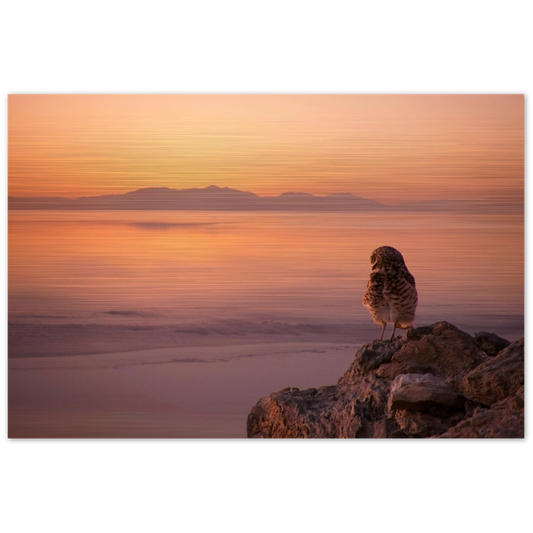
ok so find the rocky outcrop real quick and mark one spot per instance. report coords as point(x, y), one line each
point(435, 381)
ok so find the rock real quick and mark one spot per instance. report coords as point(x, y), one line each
point(277, 414)
point(490, 343)
point(503, 420)
point(445, 351)
point(373, 355)
point(416, 392)
point(497, 378)
point(435, 381)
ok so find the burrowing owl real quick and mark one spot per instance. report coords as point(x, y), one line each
point(390, 295)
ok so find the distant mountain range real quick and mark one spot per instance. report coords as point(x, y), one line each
point(211, 198)
point(215, 198)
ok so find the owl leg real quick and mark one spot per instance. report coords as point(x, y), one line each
point(393, 331)
point(383, 330)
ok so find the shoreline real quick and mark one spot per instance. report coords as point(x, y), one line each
point(171, 392)
point(158, 356)
point(48, 340)
point(146, 394)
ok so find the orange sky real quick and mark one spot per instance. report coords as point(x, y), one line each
point(392, 148)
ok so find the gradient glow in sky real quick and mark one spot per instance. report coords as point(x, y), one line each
point(392, 148)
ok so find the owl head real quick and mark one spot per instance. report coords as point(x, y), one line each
point(386, 256)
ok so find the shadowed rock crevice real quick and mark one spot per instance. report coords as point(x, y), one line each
point(435, 381)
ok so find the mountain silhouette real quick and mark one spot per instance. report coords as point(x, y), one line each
point(212, 198)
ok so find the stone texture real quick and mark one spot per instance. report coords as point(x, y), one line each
point(490, 343)
point(416, 392)
point(503, 420)
point(434, 381)
point(497, 378)
point(445, 351)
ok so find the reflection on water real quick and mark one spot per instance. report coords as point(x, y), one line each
point(249, 265)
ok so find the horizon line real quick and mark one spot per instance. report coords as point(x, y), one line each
point(212, 186)
point(445, 204)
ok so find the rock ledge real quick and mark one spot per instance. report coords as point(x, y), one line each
point(435, 381)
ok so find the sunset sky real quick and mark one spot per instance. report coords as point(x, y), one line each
point(392, 148)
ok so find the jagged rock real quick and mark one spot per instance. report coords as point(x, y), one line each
point(497, 378)
point(503, 420)
point(416, 392)
point(490, 343)
point(444, 351)
point(414, 386)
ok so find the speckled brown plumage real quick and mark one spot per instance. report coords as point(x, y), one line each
point(390, 294)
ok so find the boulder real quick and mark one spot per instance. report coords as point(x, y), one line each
point(497, 378)
point(490, 343)
point(435, 381)
point(416, 392)
point(504, 420)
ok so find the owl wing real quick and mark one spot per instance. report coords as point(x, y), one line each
point(409, 277)
point(374, 290)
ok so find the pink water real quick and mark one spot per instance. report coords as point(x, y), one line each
point(232, 296)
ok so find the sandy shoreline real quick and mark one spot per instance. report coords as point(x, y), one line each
point(174, 382)
point(194, 392)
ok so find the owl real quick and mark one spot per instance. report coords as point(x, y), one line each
point(390, 294)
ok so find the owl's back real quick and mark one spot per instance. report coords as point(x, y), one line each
point(391, 296)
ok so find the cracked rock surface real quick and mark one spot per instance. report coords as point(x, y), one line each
point(435, 381)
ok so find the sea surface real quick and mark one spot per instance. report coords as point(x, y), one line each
point(173, 324)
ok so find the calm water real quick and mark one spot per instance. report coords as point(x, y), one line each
point(146, 299)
